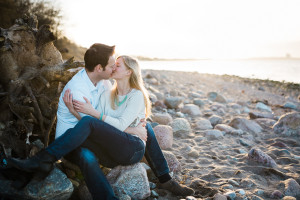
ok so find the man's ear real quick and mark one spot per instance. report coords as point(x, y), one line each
point(99, 68)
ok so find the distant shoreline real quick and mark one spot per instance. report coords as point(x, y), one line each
point(141, 58)
point(271, 83)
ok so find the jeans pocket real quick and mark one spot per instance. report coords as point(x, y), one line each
point(137, 156)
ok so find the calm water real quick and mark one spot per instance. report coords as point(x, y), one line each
point(279, 70)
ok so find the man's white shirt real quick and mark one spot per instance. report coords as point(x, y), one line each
point(80, 86)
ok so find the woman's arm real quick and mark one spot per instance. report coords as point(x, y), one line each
point(140, 131)
point(134, 105)
point(68, 102)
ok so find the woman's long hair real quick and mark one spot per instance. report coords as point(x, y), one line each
point(135, 81)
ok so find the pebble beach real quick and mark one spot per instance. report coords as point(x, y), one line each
point(227, 137)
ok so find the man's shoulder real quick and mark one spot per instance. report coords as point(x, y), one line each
point(77, 81)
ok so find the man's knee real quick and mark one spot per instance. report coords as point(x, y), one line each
point(86, 118)
point(87, 156)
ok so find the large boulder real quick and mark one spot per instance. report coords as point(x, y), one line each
point(180, 126)
point(213, 134)
point(255, 115)
point(132, 179)
point(173, 102)
point(173, 163)
point(215, 119)
point(203, 124)
point(292, 188)
point(228, 129)
point(162, 118)
point(245, 125)
point(191, 109)
point(261, 158)
point(214, 96)
point(265, 123)
point(55, 186)
point(288, 124)
point(263, 107)
point(164, 135)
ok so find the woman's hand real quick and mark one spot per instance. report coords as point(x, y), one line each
point(141, 131)
point(86, 108)
point(68, 97)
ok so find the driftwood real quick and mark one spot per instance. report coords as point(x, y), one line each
point(32, 75)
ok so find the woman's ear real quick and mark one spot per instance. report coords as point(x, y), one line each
point(129, 72)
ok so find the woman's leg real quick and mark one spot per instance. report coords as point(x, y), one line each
point(160, 167)
point(95, 180)
point(120, 146)
point(154, 154)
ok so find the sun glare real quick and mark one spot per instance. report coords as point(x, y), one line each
point(189, 29)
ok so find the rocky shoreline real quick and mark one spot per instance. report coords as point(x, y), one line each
point(232, 137)
point(224, 136)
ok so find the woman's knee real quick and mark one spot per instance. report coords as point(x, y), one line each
point(150, 131)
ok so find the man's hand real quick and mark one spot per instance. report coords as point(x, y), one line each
point(68, 101)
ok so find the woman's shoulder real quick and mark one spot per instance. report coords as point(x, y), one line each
point(136, 92)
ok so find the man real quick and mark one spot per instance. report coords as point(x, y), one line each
point(91, 82)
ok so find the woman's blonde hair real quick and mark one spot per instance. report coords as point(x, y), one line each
point(135, 81)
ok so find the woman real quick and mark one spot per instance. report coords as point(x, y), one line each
point(128, 103)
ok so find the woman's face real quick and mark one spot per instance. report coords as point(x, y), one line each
point(121, 71)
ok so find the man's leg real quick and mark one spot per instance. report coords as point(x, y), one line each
point(159, 166)
point(120, 146)
point(95, 180)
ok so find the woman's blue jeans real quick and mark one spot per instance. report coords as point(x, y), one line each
point(93, 141)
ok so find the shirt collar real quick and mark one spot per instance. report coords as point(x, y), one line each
point(89, 83)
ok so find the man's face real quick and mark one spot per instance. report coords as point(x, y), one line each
point(109, 68)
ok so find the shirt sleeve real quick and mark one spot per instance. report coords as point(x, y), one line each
point(134, 106)
point(78, 95)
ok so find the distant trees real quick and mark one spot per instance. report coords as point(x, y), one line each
point(46, 13)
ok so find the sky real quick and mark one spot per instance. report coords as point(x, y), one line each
point(186, 28)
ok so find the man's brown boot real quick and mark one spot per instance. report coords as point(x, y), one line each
point(176, 188)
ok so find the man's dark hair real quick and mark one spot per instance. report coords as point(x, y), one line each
point(98, 54)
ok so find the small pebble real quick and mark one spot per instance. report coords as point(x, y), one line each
point(289, 198)
point(227, 186)
point(152, 185)
point(190, 198)
point(154, 194)
point(242, 151)
point(241, 192)
point(254, 197)
point(259, 192)
point(233, 182)
point(230, 194)
point(276, 194)
point(244, 143)
point(296, 157)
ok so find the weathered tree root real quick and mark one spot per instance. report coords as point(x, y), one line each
point(32, 76)
point(37, 108)
point(47, 134)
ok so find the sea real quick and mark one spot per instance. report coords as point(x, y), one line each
point(287, 70)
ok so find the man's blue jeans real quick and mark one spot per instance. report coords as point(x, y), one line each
point(92, 140)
